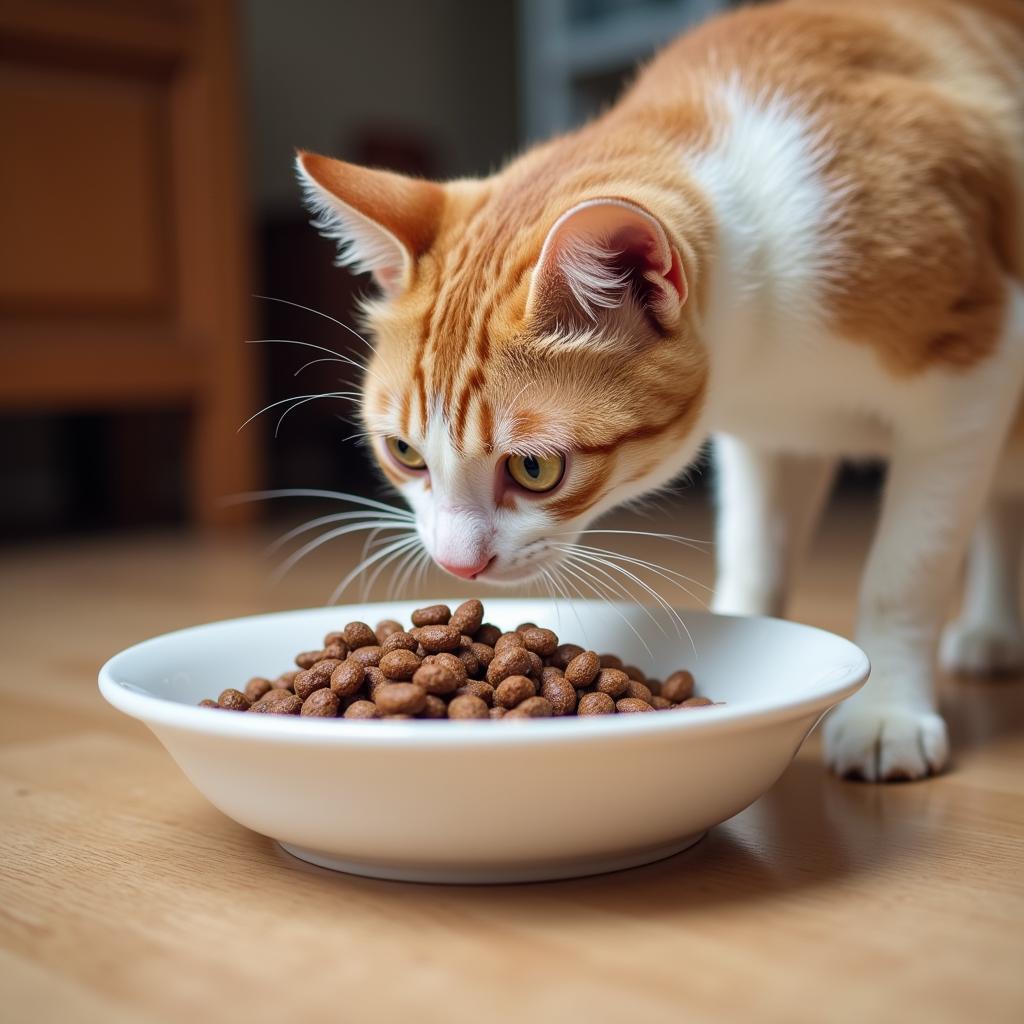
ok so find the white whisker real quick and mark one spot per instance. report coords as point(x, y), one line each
point(312, 524)
point(312, 545)
point(670, 575)
point(294, 398)
point(646, 587)
point(311, 492)
point(690, 542)
point(574, 568)
point(317, 312)
point(370, 580)
point(619, 587)
point(367, 562)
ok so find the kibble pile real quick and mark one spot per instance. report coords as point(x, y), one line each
point(455, 665)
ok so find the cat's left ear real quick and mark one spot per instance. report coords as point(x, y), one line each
point(382, 221)
point(603, 251)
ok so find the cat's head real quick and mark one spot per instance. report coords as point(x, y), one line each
point(535, 356)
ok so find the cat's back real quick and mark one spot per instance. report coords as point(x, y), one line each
point(916, 112)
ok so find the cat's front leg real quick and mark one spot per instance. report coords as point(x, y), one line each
point(767, 506)
point(891, 729)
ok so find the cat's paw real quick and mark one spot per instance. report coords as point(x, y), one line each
point(885, 743)
point(982, 649)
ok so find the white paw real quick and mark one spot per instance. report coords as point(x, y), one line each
point(882, 743)
point(982, 649)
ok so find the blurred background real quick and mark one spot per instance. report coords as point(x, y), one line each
point(147, 198)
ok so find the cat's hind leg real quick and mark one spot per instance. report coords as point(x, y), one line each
point(988, 637)
point(768, 504)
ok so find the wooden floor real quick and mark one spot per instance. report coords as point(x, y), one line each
point(124, 896)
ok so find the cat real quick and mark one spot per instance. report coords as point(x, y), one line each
point(800, 232)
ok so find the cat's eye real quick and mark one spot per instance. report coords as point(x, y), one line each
point(405, 453)
point(536, 472)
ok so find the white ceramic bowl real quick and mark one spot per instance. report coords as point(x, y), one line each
point(444, 801)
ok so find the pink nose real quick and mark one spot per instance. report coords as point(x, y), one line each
point(466, 572)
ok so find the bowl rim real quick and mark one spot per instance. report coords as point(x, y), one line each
point(837, 683)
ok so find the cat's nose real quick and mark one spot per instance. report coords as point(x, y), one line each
point(466, 570)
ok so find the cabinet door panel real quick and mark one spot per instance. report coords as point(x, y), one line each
point(83, 191)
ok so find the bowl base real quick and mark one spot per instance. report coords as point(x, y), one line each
point(495, 874)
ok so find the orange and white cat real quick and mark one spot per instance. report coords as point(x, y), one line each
point(801, 232)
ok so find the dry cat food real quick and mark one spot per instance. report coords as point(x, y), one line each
point(454, 665)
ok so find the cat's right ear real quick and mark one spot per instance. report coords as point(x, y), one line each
point(381, 221)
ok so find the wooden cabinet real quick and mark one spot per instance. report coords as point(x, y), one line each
point(123, 242)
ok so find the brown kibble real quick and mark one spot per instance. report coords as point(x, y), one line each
point(639, 691)
point(697, 702)
point(335, 646)
point(541, 641)
point(434, 708)
point(511, 661)
point(368, 656)
point(514, 689)
point(432, 615)
point(321, 704)
point(437, 638)
point(595, 704)
point(508, 640)
point(451, 661)
point(398, 641)
point(400, 665)
point(532, 707)
point(468, 616)
point(583, 669)
point(385, 628)
point(563, 654)
point(630, 704)
point(452, 664)
point(315, 678)
point(362, 709)
point(559, 691)
point(478, 689)
point(469, 661)
point(487, 634)
point(284, 680)
point(207, 703)
point(233, 700)
point(678, 686)
point(401, 699)
point(436, 678)
point(375, 679)
point(277, 702)
point(307, 659)
point(359, 634)
point(466, 706)
point(257, 687)
point(483, 652)
point(347, 678)
point(612, 681)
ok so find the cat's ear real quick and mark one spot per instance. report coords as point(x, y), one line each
point(604, 252)
point(381, 221)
